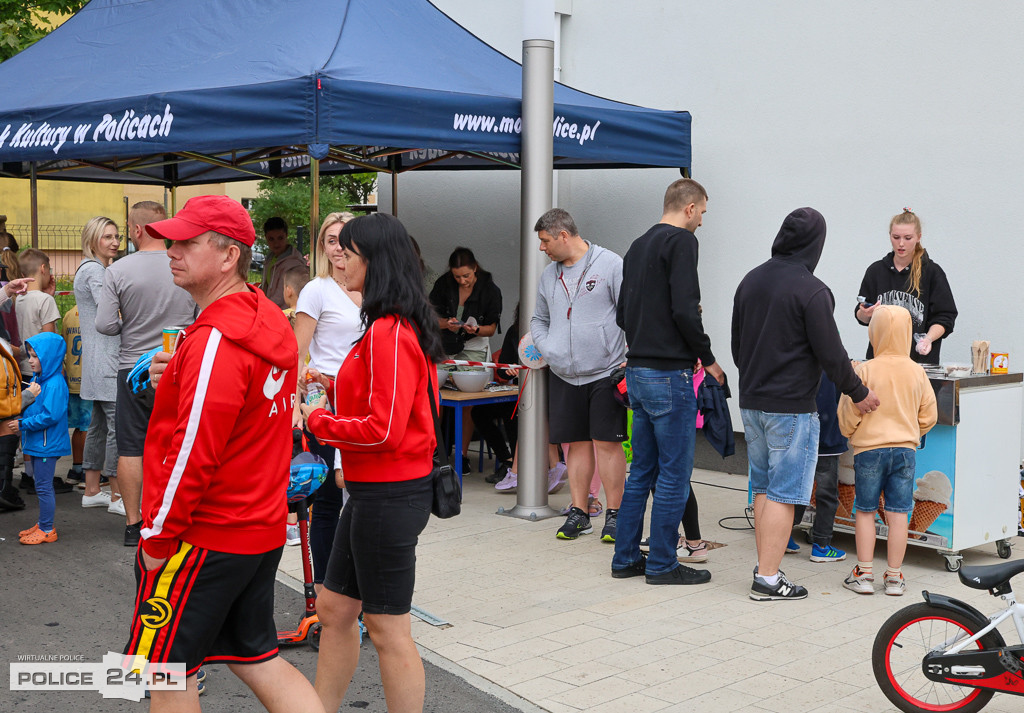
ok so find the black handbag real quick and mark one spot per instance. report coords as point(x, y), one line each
point(447, 488)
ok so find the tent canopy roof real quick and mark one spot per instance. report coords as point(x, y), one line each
point(202, 91)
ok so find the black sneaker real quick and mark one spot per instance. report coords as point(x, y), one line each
point(681, 575)
point(578, 523)
point(75, 476)
point(28, 484)
point(611, 517)
point(10, 499)
point(132, 534)
point(637, 569)
point(59, 486)
point(645, 544)
point(761, 591)
point(499, 473)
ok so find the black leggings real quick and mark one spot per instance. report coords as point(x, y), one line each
point(691, 522)
point(326, 508)
point(486, 418)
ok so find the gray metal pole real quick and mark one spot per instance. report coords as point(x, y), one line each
point(33, 196)
point(537, 153)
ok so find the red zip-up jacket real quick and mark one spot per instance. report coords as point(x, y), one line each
point(382, 422)
point(219, 443)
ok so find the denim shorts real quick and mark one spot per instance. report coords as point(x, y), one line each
point(782, 450)
point(79, 412)
point(888, 470)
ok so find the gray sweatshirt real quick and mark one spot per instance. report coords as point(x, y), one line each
point(99, 351)
point(139, 300)
point(574, 323)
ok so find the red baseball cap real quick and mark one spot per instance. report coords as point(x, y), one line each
point(202, 213)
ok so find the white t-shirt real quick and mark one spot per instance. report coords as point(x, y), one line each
point(337, 323)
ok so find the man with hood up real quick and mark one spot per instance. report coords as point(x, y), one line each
point(216, 461)
point(783, 336)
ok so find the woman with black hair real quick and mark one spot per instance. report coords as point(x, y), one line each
point(383, 426)
point(469, 306)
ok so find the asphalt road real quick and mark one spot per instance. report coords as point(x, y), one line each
point(74, 598)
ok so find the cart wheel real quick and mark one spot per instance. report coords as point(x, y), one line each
point(1003, 549)
point(953, 563)
point(313, 637)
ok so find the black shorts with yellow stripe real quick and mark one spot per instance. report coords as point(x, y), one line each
point(204, 606)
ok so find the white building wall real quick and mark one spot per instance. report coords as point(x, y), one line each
point(857, 109)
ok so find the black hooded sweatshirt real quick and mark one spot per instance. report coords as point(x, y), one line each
point(784, 333)
point(884, 284)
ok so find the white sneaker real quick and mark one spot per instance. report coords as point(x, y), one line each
point(292, 535)
point(895, 585)
point(116, 507)
point(99, 500)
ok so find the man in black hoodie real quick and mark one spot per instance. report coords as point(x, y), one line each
point(658, 308)
point(783, 336)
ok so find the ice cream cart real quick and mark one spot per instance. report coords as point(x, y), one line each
point(967, 478)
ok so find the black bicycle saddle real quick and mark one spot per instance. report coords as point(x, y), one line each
point(990, 576)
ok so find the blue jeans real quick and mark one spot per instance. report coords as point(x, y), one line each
point(44, 469)
point(782, 450)
point(664, 427)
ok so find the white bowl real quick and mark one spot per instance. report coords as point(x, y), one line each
point(957, 370)
point(471, 381)
point(442, 376)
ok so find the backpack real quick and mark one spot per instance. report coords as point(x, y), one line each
point(10, 382)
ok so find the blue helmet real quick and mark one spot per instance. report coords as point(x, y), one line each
point(307, 473)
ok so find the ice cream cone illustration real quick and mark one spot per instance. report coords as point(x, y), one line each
point(932, 494)
point(847, 490)
point(881, 506)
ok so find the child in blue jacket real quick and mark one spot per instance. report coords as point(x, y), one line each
point(44, 428)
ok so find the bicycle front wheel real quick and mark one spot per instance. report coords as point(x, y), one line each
point(900, 647)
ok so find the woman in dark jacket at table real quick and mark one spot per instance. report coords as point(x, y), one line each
point(907, 277)
point(465, 291)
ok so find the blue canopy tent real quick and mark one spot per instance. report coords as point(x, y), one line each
point(205, 91)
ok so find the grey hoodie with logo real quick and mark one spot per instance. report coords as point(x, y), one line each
point(573, 325)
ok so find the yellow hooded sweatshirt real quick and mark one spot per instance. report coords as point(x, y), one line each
point(907, 409)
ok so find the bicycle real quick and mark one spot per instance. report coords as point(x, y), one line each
point(945, 655)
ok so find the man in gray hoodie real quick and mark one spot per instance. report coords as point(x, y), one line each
point(574, 328)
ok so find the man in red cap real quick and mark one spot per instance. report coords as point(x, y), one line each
point(216, 462)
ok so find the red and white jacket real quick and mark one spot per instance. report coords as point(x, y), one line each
point(382, 422)
point(219, 443)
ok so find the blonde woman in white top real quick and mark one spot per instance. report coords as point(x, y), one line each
point(327, 324)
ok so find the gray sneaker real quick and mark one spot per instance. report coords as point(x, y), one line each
point(860, 581)
point(895, 584)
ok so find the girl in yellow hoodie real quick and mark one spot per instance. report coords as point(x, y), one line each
point(885, 442)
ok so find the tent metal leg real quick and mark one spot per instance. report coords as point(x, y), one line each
point(537, 153)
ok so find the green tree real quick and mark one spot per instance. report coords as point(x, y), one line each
point(23, 22)
point(289, 198)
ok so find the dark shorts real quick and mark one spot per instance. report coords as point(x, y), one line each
point(131, 418)
point(588, 412)
point(374, 554)
point(205, 606)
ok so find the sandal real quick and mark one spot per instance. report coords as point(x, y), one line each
point(595, 507)
point(39, 537)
